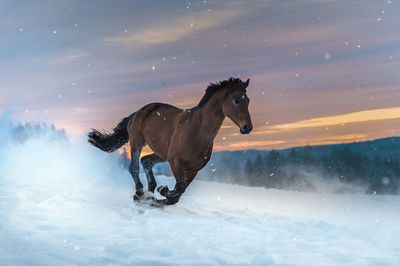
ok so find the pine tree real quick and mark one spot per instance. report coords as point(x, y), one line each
point(293, 157)
point(248, 172)
point(236, 174)
point(258, 171)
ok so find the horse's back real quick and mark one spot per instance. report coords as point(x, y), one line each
point(154, 124)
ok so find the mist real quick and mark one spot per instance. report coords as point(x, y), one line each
point(64, 202)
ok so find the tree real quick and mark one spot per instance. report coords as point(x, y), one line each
point(237, 177)
point(124, 158)
point(258, 171)
point(307, 156)
point(274, 161)
point(248, 171)
point(293, 157)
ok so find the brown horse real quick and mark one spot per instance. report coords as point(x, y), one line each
point(184, 138)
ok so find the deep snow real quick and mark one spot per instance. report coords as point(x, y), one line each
point(65, 203)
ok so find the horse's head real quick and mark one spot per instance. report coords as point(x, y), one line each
point(236, 106)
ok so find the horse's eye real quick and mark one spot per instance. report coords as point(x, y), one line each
point(236, 101)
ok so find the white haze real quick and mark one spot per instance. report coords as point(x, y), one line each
point(63, 202)
point(312, 179)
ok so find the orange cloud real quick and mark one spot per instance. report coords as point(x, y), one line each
point(340, 139)
point(248, 144)
point(356, 117)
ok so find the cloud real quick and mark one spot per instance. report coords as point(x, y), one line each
point(184, 25)
point(247, 144)
point(340, 139)
point(68, 57)
point(177, 28)
point(355, 117)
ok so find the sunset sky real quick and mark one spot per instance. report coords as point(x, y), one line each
point(321, 71)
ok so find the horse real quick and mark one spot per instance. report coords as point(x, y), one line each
point(182, 137)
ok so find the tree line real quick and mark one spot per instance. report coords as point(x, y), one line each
point(296, 169)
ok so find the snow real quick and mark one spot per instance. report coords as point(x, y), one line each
point(65, 203)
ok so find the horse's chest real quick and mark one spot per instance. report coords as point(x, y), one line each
point(195, 164)
point(196, 160)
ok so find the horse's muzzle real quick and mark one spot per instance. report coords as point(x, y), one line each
point(245, 129)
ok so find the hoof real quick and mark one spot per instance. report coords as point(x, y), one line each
point(138, 195)
point(136, 198)
point(163, 190)
point(173, 199)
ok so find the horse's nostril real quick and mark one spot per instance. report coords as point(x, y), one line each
point(247, 128)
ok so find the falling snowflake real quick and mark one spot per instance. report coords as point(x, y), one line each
point(327, 56)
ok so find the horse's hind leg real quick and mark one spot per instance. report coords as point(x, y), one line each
point(148, 162)
point(134, 170)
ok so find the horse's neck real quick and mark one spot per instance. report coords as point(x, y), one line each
point(210, 117)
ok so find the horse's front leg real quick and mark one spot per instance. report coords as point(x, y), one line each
point(182, 177)
point(173, 195)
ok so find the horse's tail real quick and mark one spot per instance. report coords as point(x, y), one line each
point(110, 142)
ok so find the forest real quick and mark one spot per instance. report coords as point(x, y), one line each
point(297, 170)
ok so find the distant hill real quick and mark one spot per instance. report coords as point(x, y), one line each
point(385, 148)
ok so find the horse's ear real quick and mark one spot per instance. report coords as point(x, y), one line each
point(246, 83)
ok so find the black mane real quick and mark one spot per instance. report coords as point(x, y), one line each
point(213, 87)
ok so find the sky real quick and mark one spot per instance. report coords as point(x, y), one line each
point(321, 71)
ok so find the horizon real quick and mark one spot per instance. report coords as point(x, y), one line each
point(321, 72)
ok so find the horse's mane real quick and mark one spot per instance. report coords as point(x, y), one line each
point(213, 87)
